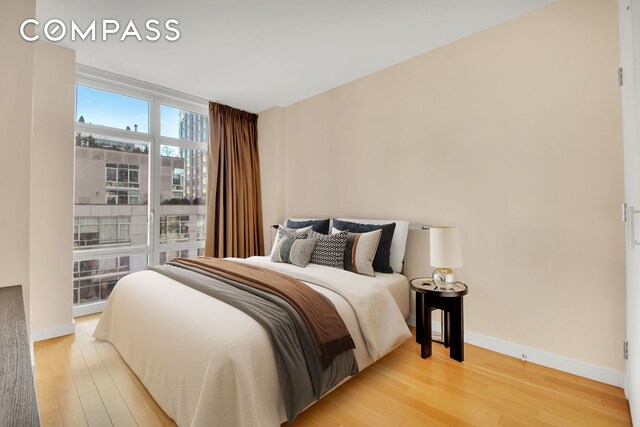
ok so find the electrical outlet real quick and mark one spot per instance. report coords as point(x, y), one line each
point(524, 357)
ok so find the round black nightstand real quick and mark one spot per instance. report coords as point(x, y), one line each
point(428, 297)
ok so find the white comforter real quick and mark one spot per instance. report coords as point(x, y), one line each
point(208, 364)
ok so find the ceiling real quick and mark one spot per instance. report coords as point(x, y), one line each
point(254, 54)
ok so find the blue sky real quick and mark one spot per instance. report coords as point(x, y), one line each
point(118, 111)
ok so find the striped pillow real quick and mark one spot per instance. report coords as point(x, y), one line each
point(360, 251)
point(299, 233)
point(292, 250)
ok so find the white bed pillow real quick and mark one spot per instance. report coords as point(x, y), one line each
point(398, 243)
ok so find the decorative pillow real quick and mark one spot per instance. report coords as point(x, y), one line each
point(318, 225)
point(294, 250)
point(360, 251)
point(300, 233)
point(329, 249)
point(381, 260)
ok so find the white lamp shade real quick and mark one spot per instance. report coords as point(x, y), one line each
point(445, 247)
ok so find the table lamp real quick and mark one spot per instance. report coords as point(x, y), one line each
point(445, 255)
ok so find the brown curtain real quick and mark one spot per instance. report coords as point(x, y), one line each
point(234, 208)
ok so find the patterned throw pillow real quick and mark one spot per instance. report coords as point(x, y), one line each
point(329, 249)
point(300, 233)
point(292, 250)
point(360, 251)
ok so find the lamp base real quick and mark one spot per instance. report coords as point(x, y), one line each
point(444, 278)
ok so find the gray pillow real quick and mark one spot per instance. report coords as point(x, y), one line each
point(293, 250)
point(329, 249)
point(300, 233)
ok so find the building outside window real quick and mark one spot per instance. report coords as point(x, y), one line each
point(122, 183)
point(177, 187)
point(93, 280)
point(91, 232)
point(200, 227)
point(168, 256)
point(174, 228)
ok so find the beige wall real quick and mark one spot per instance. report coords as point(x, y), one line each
point(51, 223)
point(15, 137)
point(271, 152)
point(512, 134)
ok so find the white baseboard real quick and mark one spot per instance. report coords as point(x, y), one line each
point(540, 357)
point(53, 332)
point(85, 310)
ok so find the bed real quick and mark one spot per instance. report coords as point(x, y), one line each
point(208, 364)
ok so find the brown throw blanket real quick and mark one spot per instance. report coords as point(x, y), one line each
point(326, 327)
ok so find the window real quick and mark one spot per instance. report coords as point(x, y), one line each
point(183, 124)
point(91, 232)
point(200, 227)
point(120, 179)
point(174, 228)
point(183, 190)
point(105, 108)
point(94, 279)
point(110, 170)
point(126, 171)
point(168, 256)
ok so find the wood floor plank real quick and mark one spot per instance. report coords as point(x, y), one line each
point(367, 415)
point(51, 418)
point(81, 375)
point(507, 421)
point(82, 381)
point(71, 409)
point(606, 388)
point(68, 398)
point(94, 409)
point(141, 407)
point(119, 413)
point(46, 390)
point(99, 373)
point(151, 411)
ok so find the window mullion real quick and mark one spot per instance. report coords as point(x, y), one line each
point(155, 180)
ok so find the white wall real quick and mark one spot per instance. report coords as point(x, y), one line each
point(15, 140)
point(513, 134)
point(36, 142)
point(51, 212)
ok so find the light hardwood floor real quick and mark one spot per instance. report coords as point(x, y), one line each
point(81, 381)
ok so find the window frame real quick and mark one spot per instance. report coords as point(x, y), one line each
point(156, 96)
